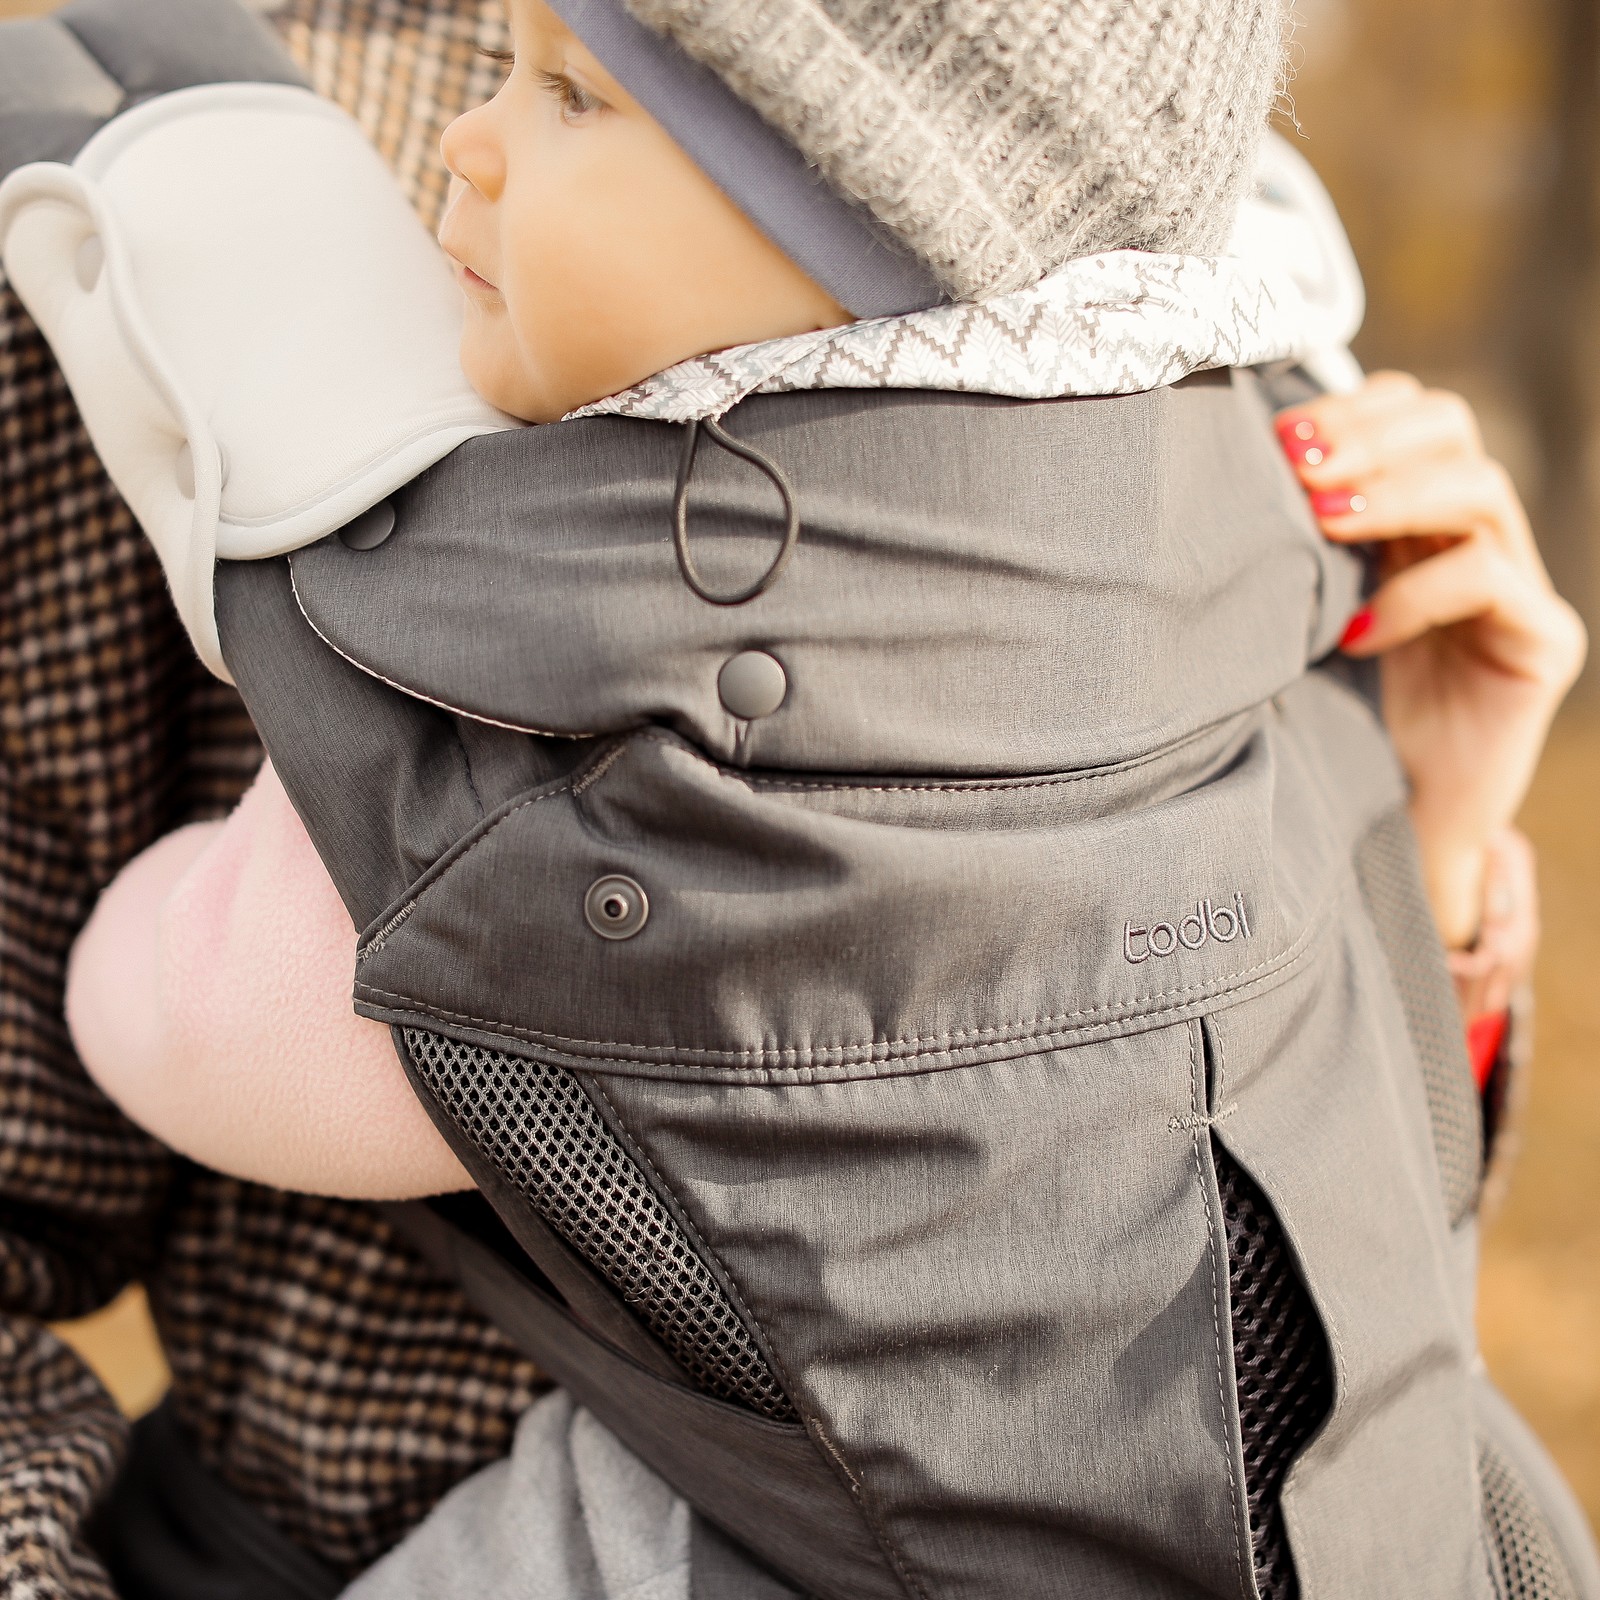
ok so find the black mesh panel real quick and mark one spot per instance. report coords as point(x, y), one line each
point(1281, 1360)
point(543, 1132)
point(1525, 1563)
point(1391, 883)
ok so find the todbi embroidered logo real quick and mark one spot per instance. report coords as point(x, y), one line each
point(1224, 923)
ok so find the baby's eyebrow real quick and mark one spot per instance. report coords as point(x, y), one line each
point(506, 58)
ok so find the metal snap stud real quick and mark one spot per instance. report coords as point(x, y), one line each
point(616, 907)
point(370, 529)
point(88, 262)
point(752, 684)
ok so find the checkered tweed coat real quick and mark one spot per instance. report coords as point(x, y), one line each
point(324, 1372)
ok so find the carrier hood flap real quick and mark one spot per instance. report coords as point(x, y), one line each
point(260, 335)
point(979, 585)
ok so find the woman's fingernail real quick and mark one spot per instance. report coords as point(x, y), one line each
point(1337, 503)
point(1301, 442)
point(1358, 627)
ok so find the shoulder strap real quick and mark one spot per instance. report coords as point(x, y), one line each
point(64, 76)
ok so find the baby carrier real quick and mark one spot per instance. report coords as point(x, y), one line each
point(920, 953)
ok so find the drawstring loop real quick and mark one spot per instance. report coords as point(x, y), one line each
point(680, 512)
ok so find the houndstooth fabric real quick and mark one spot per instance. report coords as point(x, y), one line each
point(323, 1371)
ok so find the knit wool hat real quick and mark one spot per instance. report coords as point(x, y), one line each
point(997, 139)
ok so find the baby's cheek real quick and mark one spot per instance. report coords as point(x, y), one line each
point(493, 360)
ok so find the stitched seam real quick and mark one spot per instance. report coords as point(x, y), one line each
point(448, 862)
point(853, 1484)
point(719, 1268)
point(1194, 1121)
point(381, 937)
point(767, 1348)
point(799, 785)
point(1241, 1532)
point(589, 778)
point(866, 1050)
point(961, 786)
point(417, 694)
point(521, 805)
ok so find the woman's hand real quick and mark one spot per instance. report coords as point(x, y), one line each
point(1477, 648)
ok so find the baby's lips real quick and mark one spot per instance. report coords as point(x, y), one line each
point(1301, 441)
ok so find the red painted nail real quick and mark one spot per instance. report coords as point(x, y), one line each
point(1337, 503)
point(1358, 627)
point(1301, 442)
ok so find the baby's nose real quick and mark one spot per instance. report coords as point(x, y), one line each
point(473, 154)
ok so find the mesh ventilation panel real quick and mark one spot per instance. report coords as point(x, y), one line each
point(535, 1123)
point(1391, 884)
point(1526, 1564)
point(1281, 1362)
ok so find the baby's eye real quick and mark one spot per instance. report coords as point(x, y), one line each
point(575, 101)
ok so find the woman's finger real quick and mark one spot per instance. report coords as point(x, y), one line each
point(1474, 496)
point(1339, 441)
point(1535, 633)
point(1502, 955)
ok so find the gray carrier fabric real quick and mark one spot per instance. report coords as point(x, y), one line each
point(64, 75)
point(1009, 1079)
point(543, 1132)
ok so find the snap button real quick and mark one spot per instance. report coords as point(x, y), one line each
point(370, 529)
point(752, 684)
point(616, 906)
point(87, 262)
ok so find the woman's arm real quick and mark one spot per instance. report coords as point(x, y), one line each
point(1477, 648)
point(209, 996)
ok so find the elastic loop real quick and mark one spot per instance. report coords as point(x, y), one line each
point(680, 512)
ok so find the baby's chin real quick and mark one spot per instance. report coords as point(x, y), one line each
point(489, 358)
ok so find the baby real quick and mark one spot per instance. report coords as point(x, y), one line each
point(600, 244)
point(591, 253)
point(234, 1060)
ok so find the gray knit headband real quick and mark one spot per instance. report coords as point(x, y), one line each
point(841, 246)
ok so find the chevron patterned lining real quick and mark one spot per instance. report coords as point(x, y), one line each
point(1119, 323)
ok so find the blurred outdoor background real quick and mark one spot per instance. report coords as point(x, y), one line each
point(1461, 139)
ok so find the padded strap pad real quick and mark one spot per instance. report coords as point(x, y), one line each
point(260, 335)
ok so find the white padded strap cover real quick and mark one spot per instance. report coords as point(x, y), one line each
point(259, 333)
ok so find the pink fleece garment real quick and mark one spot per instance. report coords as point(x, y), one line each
point(209, 996)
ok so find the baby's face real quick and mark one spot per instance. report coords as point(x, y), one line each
point(591, 250)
